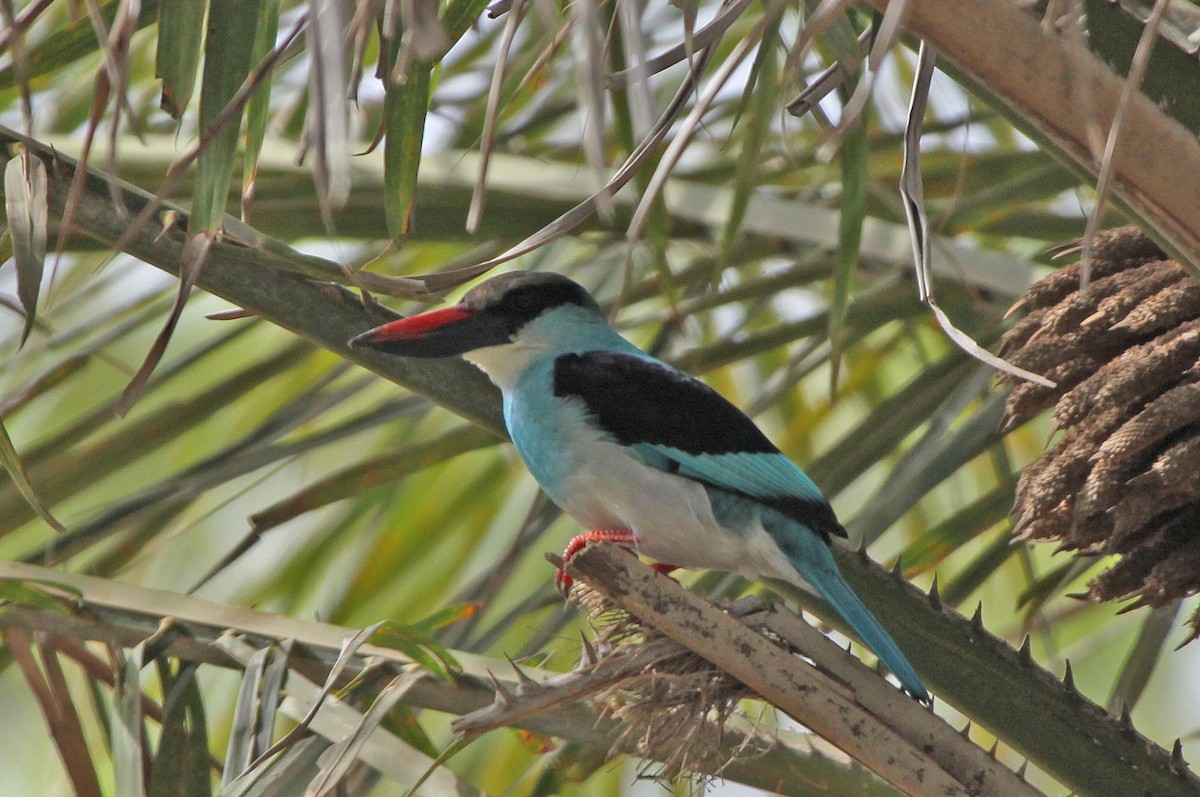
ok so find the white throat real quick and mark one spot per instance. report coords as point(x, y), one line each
point(505, 363)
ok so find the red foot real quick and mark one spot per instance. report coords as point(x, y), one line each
point(621, 537)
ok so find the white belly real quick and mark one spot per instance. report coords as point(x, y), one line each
point(671, 515)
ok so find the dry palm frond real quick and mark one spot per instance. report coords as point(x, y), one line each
point(682, 702)
point(1126, 357)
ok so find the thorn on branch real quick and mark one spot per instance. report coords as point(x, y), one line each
point(587, 653)
point(1126, 719)
point(1069, 679)
point(1178, 765)
point(504, 697)
point(524, 682)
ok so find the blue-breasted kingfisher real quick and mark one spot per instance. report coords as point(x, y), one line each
point(637, 451)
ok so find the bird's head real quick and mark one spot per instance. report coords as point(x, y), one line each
point(500, 311)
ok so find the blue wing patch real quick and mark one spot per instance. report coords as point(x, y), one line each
point(771, 479)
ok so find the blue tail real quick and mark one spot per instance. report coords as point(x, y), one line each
point(816, 564)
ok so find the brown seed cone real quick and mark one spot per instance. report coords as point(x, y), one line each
point(1114, 250)
point(1123, 477)
point(1113, 464)
point(1165, 566)
point(1138, 515)
point(1174, 470)
point(1110, 297)
point(1053, 524)
point(1173, 304)
point(1059, 474)
point(1137, 289)
point(1135, 376)
point(1029, 398)
point(1069, 341)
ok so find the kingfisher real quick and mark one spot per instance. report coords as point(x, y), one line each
point(637, 451)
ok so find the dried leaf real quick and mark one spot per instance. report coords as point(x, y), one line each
point(128, 740)
point(16, 471)
point(58, 709)
point(25, 205)
point(913, 194)
point(328, 121)
point(195, 251)
point(335, 765)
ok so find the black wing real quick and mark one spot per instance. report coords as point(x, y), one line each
point(644, 401)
